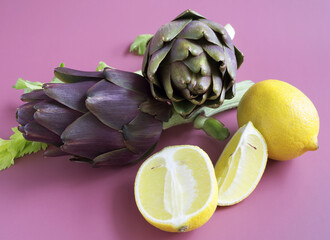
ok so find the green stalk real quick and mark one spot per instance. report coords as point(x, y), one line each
point(241, 88)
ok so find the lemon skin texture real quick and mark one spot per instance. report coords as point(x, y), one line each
point(284, 115)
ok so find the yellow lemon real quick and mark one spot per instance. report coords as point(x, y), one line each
point(284, 115)
point(176, 189)
point(241, 165)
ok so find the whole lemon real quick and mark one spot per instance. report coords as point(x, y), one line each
point(284, 115)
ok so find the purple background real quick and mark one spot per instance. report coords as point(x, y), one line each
point(53, 198)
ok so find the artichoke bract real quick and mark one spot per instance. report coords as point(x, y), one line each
point(104, 118)
point(191, 62)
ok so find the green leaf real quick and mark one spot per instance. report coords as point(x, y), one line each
point(17, 146)
point(139, 45)
point(56, 80)
point(27, 85)
point(6, 157)
point(101, 66)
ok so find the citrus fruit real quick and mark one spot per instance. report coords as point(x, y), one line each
point(284, 115)
point(176, 190)
point(241, 165)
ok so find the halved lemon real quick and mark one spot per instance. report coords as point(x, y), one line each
point(241, 165)
point(176, 189)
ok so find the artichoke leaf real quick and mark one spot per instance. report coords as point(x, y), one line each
point(116, 157)
point(72, 95)
point(196, 30)
point(222, 95)
point(166, 34)
point(165, 76)
point(239, 57)
point(53, 151)
point(190, 14)
point(88, 137)
point(215, 52)
point(216, 86)
point(47, 115)
point(218, 101)
point(158, 93)
point(145, 61)
point(230, 30)
point(212, 103)
point(104, 95)
point(127, 80)
point(35, 132)
point(177, 119)
point(34, 95)
point(180, 75)
point(218, 28)
point(201, 86)
point(230, 63)
point(159, 110)
point(138, 139)
point(184, 107)
point(181, 49)
point(25, 112)
point(155, 61)
point(200, 99)
point(69, 75)
point(198, 64)
point(231, 91)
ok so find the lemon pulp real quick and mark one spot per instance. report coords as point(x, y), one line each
point(174, 186)
point(240, 165)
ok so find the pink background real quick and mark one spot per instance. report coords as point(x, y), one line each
point(54, 198)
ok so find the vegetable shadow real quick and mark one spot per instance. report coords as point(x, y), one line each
point(37, 171)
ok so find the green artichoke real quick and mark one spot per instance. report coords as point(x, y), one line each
point(191, 62)
point(104, 118)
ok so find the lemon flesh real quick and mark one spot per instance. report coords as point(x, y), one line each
point(176, 189)
point(284, 115)
point(241, 165)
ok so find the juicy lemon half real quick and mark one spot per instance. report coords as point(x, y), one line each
point(176, 189)
point(240, 165)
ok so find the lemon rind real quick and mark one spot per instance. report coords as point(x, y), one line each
point(247, 129)
point(169, 222)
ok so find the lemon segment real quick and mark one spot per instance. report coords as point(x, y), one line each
point(241, 165)
point(176, 189)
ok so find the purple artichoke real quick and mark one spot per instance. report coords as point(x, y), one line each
point(191, 62)
point(104, 118)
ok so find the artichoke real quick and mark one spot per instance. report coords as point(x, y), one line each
point(104, 118)
point(191, 62)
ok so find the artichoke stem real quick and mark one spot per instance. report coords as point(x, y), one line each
point(211, 127)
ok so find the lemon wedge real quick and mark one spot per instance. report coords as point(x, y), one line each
point(241, 165)
point(176, 189)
